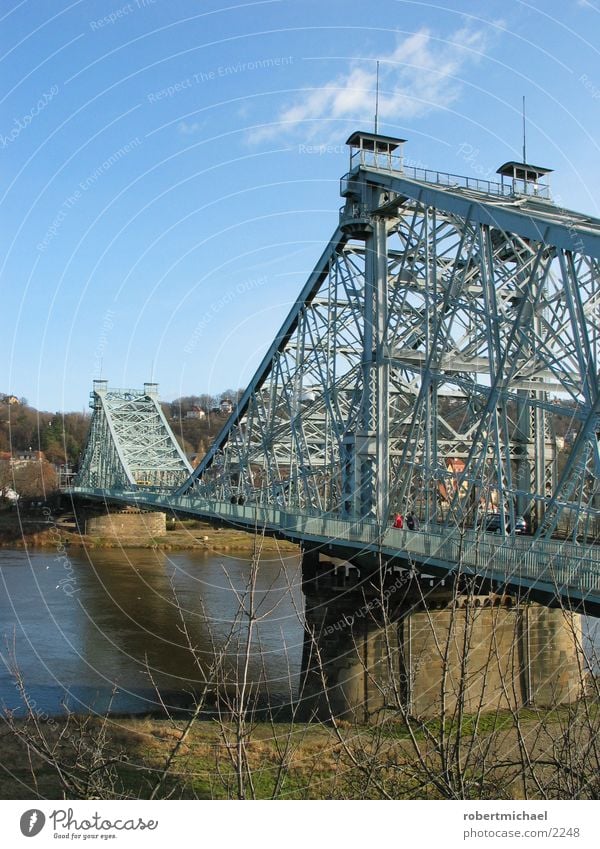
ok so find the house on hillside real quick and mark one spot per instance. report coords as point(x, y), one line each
point(226, 406)
point(8, 399)
point(23, 458)
point(9, 494)
point(196, 413)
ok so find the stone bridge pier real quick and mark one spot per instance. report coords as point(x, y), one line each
point(406, 643)
point(127, 525)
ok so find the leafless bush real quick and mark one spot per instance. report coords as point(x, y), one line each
point(476, 735)
point(79, 750)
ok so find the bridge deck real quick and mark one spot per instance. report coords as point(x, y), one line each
point(554, 571)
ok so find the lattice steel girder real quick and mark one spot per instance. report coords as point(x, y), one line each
point(438, 342)
point(533, 220)
point(130, 444)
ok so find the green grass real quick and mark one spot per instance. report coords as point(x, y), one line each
point(318, 766)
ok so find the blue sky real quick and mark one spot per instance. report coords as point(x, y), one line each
point(170, 170)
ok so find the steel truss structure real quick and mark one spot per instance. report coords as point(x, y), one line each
point(447, 330)
point(130, 445)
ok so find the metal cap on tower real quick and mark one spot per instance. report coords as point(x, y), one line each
point(374, 141)
point(526, 179)
point(376, 150)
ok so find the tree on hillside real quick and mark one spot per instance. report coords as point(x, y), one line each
point(6, 480)
point(36, 479)
point(63, 439)
point(26, 426)
point(4, 440)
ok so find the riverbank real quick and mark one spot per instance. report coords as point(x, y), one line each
point(19, 530)
point(139, 748)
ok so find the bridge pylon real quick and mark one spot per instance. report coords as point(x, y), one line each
point(445, 335)
point(130, 446)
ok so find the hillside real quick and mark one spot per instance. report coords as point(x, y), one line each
point(194, 419)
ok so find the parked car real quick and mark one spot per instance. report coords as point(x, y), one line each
point(490, 522)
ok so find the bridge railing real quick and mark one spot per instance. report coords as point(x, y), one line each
point(478, 184)
point(507, 188)
point(557, 562)
point(560, 564)
point(458, 181)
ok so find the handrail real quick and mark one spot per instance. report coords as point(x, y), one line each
point(477, 184)
point(507, 189)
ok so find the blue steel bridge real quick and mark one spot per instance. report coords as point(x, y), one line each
point(449, 329)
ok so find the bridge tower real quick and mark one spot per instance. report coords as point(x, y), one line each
point(365, 466)
point(448, 329)
point(130, 445)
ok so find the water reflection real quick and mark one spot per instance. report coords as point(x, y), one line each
point(129, 621)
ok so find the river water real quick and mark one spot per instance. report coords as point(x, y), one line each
point(108, 627)
point(81, 627)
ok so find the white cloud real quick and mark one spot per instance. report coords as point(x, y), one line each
point(421, 74)
point(189, 129)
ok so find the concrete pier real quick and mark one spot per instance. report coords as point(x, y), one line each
point(414, 644)
point(128, 525)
